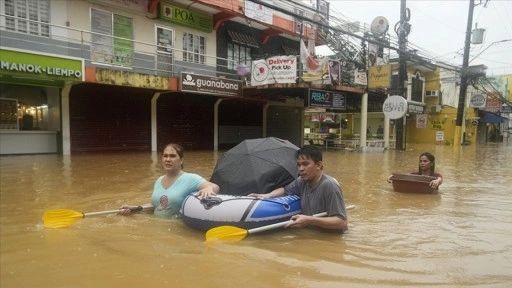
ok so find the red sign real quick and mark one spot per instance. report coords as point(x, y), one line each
point(493, 104)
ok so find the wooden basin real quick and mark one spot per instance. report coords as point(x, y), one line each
point(410, 183)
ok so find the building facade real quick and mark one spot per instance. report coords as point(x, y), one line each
point(134, 75)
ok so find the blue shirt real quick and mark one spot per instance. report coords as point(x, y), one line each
point(167, 202)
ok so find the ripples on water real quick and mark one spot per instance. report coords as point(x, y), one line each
point(460, 237)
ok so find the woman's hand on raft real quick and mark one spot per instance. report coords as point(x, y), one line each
point(205, 193)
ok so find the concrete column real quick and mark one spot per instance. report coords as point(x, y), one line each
point(65, 118)
point(216, 125)
point(154, 115)
point(364, 119)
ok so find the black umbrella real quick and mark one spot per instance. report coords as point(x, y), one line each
point(256, 166)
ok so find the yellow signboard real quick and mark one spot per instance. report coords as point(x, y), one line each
point(379, 76)
point(125, 78)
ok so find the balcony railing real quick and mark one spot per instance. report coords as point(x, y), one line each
point(117, 53)
point(143, 57)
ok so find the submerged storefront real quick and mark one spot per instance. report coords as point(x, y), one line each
point(30, 100)
point(334, 118)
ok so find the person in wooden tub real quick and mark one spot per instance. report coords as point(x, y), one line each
point(426, 167)
point(318, 193)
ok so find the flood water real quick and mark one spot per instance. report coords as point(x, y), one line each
point(461, 237)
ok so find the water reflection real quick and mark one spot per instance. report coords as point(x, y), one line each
point(457, 238)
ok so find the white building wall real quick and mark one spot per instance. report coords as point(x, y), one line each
point(144, 27)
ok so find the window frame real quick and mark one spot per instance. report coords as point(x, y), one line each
point(194, 48)
point(241, 51)
point(27, 16)
point(117, 52)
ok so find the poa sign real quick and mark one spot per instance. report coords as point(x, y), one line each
point(395, 107)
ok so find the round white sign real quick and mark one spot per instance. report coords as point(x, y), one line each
point(379, 26)
point(478, 101)
point(395, 107)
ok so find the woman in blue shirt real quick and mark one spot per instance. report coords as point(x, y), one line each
point(172, 188)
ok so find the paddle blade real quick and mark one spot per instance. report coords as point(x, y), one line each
point(60, 218)
point(228, 233)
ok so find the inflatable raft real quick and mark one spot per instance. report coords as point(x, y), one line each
point(240, 211)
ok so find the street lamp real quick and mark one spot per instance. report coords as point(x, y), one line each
point(495, 42)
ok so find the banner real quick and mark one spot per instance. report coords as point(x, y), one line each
point(360, 78)
point(335, 72)
point(278, 69)
point(314, 68)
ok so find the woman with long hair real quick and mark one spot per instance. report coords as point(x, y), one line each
point(427, 165)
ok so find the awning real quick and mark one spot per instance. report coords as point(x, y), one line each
point(243, 39)
point(493, 118)
point(291, 51)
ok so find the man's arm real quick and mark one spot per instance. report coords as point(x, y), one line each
point(333, 222)
point(275, 193)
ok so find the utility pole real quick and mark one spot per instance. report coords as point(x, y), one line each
point(402, 72)
point(459, 137)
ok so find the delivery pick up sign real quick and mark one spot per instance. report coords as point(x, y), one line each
point(395, 107)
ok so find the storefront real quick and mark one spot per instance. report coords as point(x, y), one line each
point(30, 100)
point(333, 119)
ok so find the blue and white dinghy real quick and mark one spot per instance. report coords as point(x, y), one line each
point(240, 211)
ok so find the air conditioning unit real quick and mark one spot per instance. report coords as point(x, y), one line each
point(435, 109)
point(432, 93)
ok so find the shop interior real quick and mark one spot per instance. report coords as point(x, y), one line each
point(335, 129)
point(27, 108)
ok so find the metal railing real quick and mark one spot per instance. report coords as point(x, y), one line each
point(145, 58)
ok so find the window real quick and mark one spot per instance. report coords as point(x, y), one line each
point(417, 89)
point(165, 42)
point(28, 16)
point(193, 48)
point(117, 50)
point(238, 54)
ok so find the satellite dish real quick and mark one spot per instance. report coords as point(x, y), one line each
point(379, 26)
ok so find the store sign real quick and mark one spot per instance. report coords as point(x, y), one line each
point(506, 109)
point(327, 99)
point(360, 78)
point(492, 104)
point(259, 12)
point(210, 85)
point(395, 107)
point(130, 79)
point(28, 68)
point(413, 108)
point(278, 69)
point(379, 76)
point(185, 17)
point(477, 101)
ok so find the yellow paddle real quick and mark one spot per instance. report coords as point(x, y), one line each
point(232, 233)
point(60, 218)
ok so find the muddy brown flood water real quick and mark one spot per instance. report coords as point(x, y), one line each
point(461, 237)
